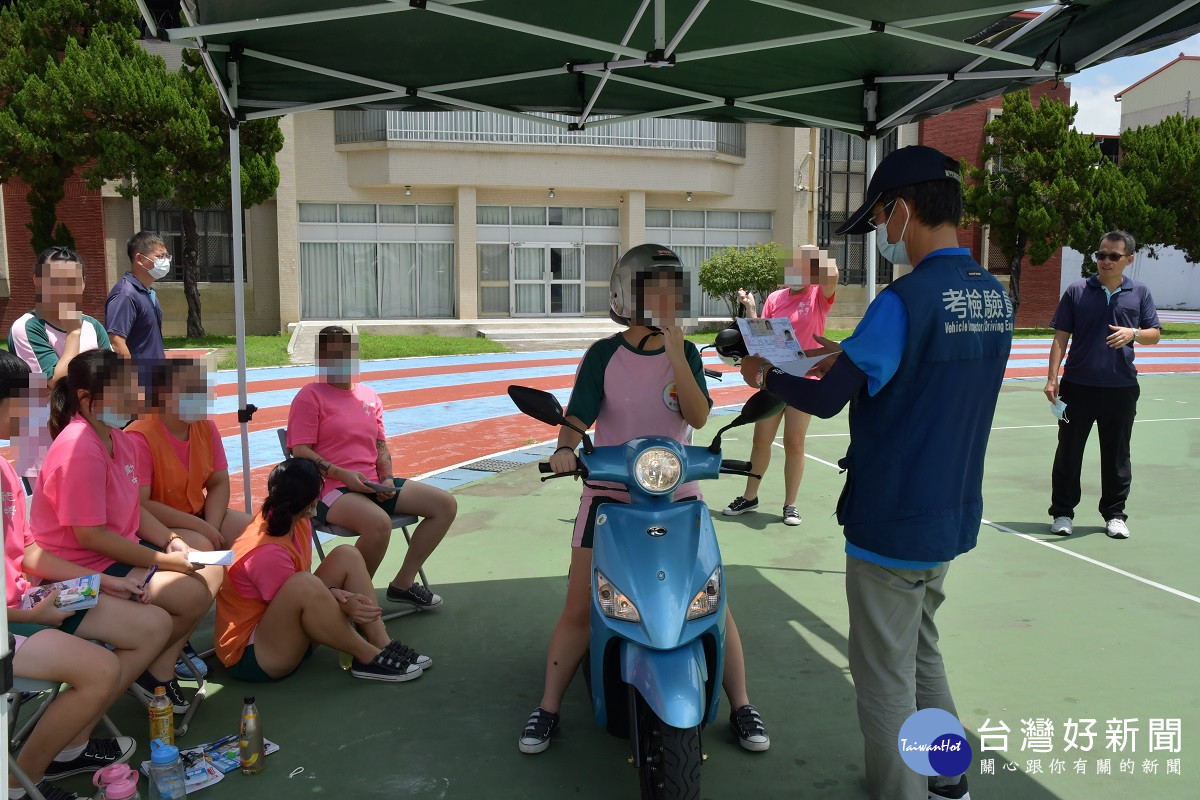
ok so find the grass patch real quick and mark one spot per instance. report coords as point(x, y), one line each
point(271, 351)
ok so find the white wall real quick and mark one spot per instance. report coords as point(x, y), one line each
point(1172, 280)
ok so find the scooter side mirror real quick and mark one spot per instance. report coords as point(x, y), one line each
point(542, 406)
point(761, 405)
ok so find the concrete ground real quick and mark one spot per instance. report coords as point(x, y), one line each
point(1035, 628)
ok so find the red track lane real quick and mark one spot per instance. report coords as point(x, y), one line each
point(276, 384)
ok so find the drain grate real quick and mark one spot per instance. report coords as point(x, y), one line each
point(492, 465)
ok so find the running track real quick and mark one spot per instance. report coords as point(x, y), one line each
point(451, 410)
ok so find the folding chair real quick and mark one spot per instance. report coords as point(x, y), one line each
point(325, 532)
point(23, 690)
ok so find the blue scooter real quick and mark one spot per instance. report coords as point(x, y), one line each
point(657, 646)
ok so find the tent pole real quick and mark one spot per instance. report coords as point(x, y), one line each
point(872, 253)
point(245, 411)
point(871, 103)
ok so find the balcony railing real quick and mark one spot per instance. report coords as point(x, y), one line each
point(475, 126)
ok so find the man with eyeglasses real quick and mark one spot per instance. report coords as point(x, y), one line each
point(132, 314)
point(922, 373)
point(1102, 317)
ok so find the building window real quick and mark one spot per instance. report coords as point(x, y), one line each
point(696, 235)
point(842, 183)
point(214, 233)
point(368, 261)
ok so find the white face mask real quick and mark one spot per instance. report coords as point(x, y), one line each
point(161, 267)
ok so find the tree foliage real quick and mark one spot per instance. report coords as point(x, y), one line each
point(758, 268)
point(78, 92)
point(1165, 160)
point(1045, 185)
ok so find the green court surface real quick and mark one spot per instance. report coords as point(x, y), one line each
point(1035, 627)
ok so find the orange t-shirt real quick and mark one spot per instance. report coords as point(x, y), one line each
point(238, 609)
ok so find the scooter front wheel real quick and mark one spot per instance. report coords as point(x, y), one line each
point(670, 758)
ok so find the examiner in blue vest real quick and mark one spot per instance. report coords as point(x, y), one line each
point(921, 373)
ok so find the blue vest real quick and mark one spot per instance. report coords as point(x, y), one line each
point(914, 470)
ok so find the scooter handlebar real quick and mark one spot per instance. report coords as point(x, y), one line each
point(544, 466)
point(733, 465)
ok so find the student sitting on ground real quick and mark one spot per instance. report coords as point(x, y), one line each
point(86, 507)
point(59, 745)
point(272, 609)
point(337, 423)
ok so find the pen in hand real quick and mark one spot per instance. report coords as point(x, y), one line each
point(149, 574)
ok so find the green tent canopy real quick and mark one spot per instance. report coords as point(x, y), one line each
point(860, 67)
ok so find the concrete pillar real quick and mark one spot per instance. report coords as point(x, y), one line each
point(466, 254)
point(287, 231)
point(633, 220)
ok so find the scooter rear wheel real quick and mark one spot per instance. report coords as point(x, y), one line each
point(671, 758)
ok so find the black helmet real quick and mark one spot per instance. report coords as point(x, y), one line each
point(629, 276)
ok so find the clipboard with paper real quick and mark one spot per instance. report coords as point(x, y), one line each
point(774, 340)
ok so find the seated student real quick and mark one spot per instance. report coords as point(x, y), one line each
point(272, 608)
point(183, 476)
point(59, 745)
point(86, 508)
point(47, 338)
point(337, 423)
point(185, 487)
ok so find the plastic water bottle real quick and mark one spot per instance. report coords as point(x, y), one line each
point(167, 779)
point(250, 738)
point(346, 660)
point(116, 782)
point(162, 716)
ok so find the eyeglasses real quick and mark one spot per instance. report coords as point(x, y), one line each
point(1103, 256)
point(886, 211)
point(59, 253)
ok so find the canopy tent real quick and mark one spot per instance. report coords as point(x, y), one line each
point(862, 68)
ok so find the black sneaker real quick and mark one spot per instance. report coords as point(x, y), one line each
point(740, 505)
point(416, 595)
point(791, 516)
point(390, 665)
point(143, 690)
point(98, 753)
point(956, 792)
point(541, 726)
point(52, 791)
point(403, 651)
point(748, 726)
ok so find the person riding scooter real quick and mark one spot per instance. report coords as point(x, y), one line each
point(645, 381)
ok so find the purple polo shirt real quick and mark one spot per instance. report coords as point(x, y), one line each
point(1085, 311)
point(132, 312)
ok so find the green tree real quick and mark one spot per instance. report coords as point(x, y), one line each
point(1165, 160)
point(756, 269)
point(57, 58)
point(1043, 184)
point(185, 162)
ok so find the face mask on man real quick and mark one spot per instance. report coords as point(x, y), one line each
point(192, 406)
point(893, 251)
point(162, 265)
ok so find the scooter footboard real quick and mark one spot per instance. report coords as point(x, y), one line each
point(672, 682)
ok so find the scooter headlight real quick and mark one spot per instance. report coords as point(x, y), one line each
point(708, 599)
point(658, 470)
point(614, 604)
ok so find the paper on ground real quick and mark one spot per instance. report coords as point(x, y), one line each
point(220, 558)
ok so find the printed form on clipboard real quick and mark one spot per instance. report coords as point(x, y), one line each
point(774, 340)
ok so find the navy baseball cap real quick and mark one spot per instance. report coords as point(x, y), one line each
point(903, 167)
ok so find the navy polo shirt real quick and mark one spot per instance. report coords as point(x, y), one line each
point(1085, 311)
point(133, 313)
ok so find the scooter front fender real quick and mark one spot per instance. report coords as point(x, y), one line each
point(672, 682)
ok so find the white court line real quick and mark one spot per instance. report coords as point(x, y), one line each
point(1090, 560)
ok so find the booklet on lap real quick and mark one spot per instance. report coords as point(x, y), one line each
point(75, 594)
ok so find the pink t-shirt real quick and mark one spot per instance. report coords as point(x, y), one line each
point(183, 451)
point(807, 310)
point(16, 534)
point(82, 485)
point(261, 573)
point(341, 425)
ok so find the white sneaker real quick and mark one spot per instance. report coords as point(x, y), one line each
point(1116, 529)
point(1061, 526)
